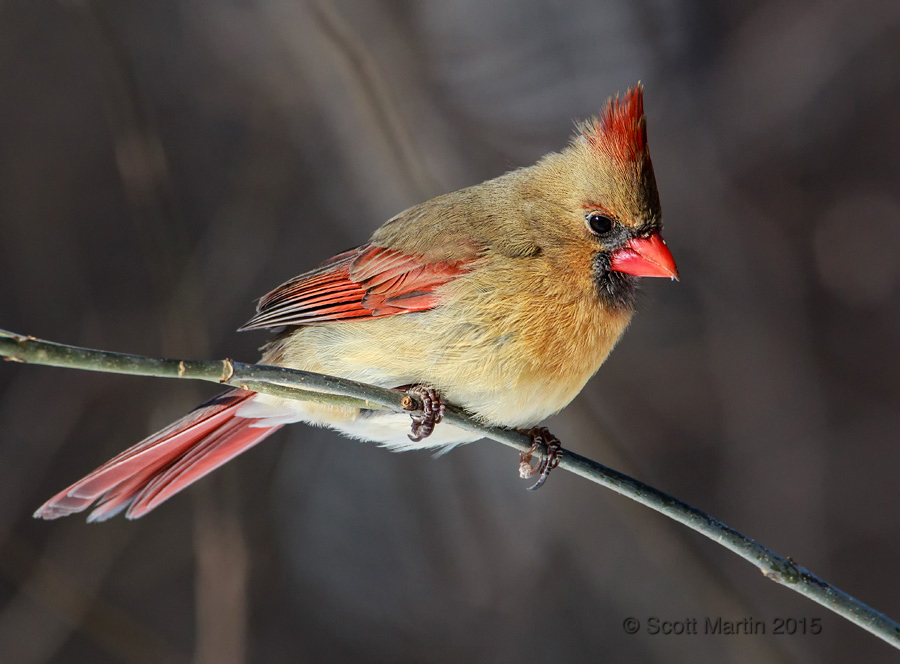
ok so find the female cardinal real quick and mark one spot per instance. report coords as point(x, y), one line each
point(502, 298)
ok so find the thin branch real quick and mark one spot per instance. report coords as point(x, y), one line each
point(307, 386)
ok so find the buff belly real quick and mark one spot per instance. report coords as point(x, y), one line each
point(482, 367)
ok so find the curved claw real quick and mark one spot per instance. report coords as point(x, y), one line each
point(424, 421)
point(541, 439)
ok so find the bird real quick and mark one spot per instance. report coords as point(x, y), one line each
point(502, 298)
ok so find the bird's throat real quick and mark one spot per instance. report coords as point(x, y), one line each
point(616, 290)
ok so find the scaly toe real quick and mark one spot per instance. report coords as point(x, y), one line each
point(424, 421)
point(541, 439)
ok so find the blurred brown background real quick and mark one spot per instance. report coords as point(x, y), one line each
point(164, 163)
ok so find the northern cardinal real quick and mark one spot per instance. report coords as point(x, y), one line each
point(503, 298)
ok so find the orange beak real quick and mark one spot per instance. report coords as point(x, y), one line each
point(645, 257)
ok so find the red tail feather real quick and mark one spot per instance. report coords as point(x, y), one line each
point(144, 476)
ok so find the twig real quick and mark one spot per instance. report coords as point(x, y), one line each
point(307, 386)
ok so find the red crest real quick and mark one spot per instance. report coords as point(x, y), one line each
point(620, 131)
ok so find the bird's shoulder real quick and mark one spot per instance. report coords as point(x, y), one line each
point(480, 221)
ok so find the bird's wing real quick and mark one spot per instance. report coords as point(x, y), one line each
point(366, 282)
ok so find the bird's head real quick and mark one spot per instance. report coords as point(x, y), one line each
point(608, 191)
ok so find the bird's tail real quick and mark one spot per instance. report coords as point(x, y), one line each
point(154, 470)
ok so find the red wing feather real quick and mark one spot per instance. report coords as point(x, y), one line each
point(367, 282)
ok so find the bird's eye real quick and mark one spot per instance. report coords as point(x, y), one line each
point(599, 224)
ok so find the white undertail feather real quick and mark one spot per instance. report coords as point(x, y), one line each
point(388, 429)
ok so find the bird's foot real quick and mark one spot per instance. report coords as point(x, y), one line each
point(551, 451)
point(431, 413)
